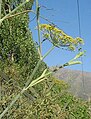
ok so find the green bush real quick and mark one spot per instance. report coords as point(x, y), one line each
point(54, 102)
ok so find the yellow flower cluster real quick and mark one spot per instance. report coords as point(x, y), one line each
point(58, 38)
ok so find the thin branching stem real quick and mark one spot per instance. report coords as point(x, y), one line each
point(27, 83)
point(22, 4)
point(37, 66)
point(19, 13)
point(26, 11)
point(11, 104)
point(38, 23)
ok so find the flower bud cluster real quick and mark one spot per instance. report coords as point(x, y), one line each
point(58, 38)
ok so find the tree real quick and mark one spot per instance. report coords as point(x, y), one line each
point(18, 54)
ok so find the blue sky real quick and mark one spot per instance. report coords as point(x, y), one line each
point(64, 14)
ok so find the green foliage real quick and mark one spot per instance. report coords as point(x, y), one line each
point(54, 102)
point(17, 50)
point(18, 58)
point(18, 55)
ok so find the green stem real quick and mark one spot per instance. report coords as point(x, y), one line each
point(27, 83)
point(38, 23)
point(1, 20)
point(26, 11)
point(48, 52)
point(37, 66)
point(19, 13)
point(38, 80)
point(15, 99)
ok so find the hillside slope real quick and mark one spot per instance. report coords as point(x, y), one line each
point(80, 85)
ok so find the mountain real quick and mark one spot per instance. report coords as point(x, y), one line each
point(80, 82)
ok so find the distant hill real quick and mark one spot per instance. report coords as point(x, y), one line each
point(80, 84)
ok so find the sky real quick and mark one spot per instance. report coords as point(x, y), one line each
point(64, 13)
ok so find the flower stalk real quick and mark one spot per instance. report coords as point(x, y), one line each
point(38, 23)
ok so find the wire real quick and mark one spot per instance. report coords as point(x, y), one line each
point(79, 20)
point(79, 29)
point(33, 19)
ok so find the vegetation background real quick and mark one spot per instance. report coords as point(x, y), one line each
point(19, 57)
